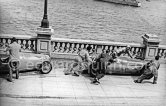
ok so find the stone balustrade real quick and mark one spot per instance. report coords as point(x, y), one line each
point(162, 51)
point(28, 43)
point(73, 46)
point(60, 45)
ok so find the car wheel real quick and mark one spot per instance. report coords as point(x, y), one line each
point(46, 67)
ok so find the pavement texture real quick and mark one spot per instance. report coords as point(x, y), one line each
point(57, 89)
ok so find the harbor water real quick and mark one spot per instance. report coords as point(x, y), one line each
point(85, 19)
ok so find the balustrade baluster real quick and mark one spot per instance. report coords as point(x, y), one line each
point(22, 45)
point(19, 41)
point(139, 52)
point(27, 45)
point(111, 49)
point(106, 48)
point(9, 41)
point(159, 52)
point(78, 46)
point(164, 54)
point(4, 41)
point(60, 47)
point(66, 47)
point(55, 46)
point(72, 48)
point(115, 48)
point(103, 48)
point(134, 51)
point(82, 46)
point(93, 49)
point(32, 45)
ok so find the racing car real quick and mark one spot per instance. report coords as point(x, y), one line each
point(123, 66)
point(28, 61)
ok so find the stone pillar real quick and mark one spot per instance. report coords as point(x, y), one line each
point(44, 40)
point(151, 43)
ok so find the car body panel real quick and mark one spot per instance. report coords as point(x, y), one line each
point(28, 61)
point(126, 65)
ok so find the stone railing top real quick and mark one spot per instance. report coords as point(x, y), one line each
point(162, 46)
point(17, 36)
point(95, 42)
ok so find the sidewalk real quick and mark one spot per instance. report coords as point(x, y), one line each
point(55, 89)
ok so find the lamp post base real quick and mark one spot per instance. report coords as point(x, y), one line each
point(45, 23)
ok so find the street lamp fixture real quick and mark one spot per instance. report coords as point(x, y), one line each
point(45, 22)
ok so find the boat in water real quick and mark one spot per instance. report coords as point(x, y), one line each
point(124, 2)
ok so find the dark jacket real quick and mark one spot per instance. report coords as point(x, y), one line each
point(104, 57)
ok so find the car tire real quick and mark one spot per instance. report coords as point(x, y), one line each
point(46, 67)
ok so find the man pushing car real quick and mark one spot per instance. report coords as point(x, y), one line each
point(151, 70)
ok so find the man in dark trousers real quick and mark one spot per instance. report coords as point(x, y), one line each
point(102, 60)
point(151, 70)
point(14, 50)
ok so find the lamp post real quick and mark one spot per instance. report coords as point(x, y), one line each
point(45, 23)
point(44, 33)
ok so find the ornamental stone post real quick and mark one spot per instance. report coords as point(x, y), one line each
point(44, 40)
point(151, 43)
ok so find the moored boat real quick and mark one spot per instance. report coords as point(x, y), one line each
point(125, 2)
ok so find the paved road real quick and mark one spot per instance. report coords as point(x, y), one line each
point(55, 89)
